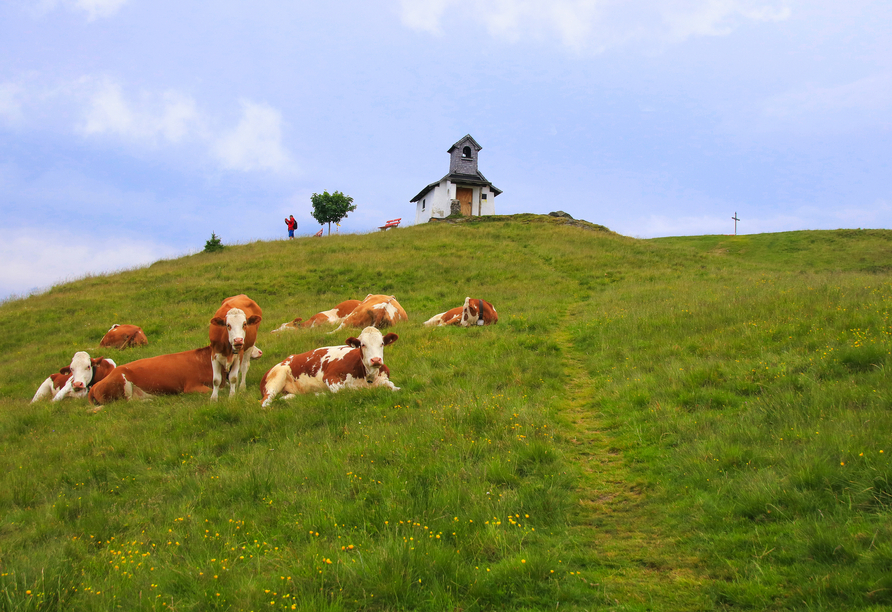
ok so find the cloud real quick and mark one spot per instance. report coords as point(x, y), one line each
point(595, 25)
point(423, 15)
point(689, 18)
point(172, 116)
point(256, 142)
point(153, 119)
point(99, 8)
point(35, 260)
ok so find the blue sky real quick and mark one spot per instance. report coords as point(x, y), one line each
point(132, 129)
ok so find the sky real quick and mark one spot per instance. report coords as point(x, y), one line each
point(130, 130)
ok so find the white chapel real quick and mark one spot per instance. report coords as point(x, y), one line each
point(464, 190)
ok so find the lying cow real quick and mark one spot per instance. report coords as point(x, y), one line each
point(232, 333)
point(185, 372)
point(377, 311)
point(328, 317)
point(472, 312)
point(356, 365)
point(124, 336)
point(450, 317)
point(75, 379)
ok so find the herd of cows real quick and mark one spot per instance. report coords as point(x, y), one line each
point(232, 346)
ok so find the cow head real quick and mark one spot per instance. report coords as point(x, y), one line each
point(236, 322)
point(293, 324)
point(471, 312)
point(81, 370)
point(371, 348)
point(102, 367)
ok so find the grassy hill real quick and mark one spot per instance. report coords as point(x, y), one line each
point(673, 424)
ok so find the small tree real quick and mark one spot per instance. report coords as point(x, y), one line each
point(214, 244)
point(331, 207)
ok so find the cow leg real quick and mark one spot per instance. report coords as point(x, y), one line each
point(275, 382)
point(383, 381)
point(196, 388)
point(64, 392)
point(233, 374)
point(128, 389)
point(44, 391)
point(218, 377)
point(132, 392)
point(243, 369)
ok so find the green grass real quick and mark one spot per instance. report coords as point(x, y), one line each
point(673, 424)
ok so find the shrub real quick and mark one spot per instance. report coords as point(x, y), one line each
point(214, 244)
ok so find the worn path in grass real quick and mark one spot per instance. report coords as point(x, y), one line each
point(629, 558)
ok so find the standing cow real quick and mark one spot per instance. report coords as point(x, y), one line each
point(356, 365)
point(377, 311)
point(124, 336)
point(232, 333)
point(75, 379)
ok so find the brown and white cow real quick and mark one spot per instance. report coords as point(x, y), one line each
point(124, 336)
point(327, 317)
point(478, 312)
point(233, 331)
point(377, 311)
point(356, 365)
point(472, 312)
point(75, 379)
point(185, 372)
point(450, 317)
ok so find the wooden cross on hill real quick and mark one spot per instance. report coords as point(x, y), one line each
point(735, 223)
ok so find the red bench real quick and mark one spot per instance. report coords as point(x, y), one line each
point(391, 223)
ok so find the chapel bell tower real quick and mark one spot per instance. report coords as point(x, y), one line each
point(463, 156)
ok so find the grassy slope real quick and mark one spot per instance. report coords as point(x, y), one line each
point(682, 423)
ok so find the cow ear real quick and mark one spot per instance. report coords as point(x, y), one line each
point(390, 338)
point(96, 361)
point(297, 319)
point(254, 319)
point(218, 321)
point(354, 342)
point(65, 370)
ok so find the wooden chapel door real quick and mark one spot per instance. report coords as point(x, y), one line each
point(464, 196)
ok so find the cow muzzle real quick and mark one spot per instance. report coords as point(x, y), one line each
point(373, 370)
point(79, 386)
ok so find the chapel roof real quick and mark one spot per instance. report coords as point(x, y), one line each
point(476, 179)
point(462, 140)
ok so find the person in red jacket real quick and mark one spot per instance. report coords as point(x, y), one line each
point(291, 223)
